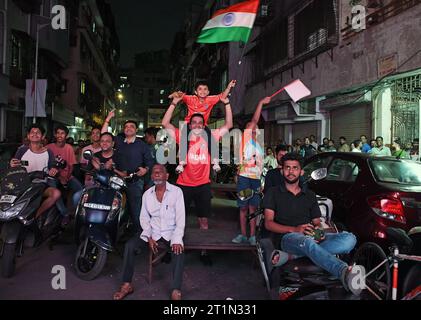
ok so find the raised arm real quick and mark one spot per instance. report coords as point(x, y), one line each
point(228, 117)
point(258, 112)
point(107, 121)
point(231, 85)
point(166, 121)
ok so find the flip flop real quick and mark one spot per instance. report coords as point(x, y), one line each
point(176, 295)
point(124, 291)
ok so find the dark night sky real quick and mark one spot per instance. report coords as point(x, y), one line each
point(147, 25)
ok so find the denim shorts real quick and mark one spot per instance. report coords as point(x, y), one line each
point(247, 183)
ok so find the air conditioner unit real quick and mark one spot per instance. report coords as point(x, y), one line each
point(317, 39)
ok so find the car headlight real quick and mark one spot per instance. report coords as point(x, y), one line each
point(13, 211)
point(116, 183)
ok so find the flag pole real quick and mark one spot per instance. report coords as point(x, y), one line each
point(240, 61)
point(277, 92)
point(34, 104)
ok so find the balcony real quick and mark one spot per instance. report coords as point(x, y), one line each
point(381, 15)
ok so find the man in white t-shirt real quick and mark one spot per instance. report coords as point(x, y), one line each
point(38, 158)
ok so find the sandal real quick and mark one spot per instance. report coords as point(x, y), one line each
point(176, 295)
point(124, 291)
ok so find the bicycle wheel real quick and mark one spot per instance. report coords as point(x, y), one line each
point(412, 284)
point(378, 282)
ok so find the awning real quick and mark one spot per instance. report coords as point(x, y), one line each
point(356, 97)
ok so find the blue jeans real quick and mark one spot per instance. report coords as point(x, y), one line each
point(322, 254)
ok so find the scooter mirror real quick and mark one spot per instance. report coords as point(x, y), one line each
point(245, 194)
point(319, 174)
point(87, 154)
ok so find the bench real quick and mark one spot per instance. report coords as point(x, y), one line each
point(196, 239)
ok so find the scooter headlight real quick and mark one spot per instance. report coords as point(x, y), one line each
point(13, 211)
point(116, 183)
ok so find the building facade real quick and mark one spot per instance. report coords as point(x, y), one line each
point(363, 79)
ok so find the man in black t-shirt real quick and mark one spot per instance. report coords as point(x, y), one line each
point(107, 159)
point(292, 212)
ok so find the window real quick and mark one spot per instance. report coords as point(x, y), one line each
point(275, 38)
point(403, 172)
point(318, 163)
point(16, 52)
point(314, 24)
point(161, 92)
point(83, 86)
point(343, 170)
point(150, 92)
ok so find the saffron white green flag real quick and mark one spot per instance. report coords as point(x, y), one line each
point(230, 24)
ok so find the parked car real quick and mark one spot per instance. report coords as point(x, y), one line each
point(369, 193)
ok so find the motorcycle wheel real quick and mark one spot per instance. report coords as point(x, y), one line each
point(412, 281)
point(8, 260)
point(90, 266)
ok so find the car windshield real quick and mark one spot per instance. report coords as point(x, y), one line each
point(404, 172)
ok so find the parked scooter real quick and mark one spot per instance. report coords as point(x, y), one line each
point(98, 221)
point(21, 194)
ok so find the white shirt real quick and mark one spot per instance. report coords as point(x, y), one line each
point(356, 150)
point(36, 161)
point(163, 220)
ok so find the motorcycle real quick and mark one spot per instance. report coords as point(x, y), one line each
point(98, 221)
point(299, 276)
point(21, 195)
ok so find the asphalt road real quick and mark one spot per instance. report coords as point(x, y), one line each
point(233, 274)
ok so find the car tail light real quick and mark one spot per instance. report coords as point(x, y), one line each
point(388, 206)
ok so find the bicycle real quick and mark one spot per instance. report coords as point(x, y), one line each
point(378, 280)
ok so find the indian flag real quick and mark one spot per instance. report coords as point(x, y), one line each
point(230, 24)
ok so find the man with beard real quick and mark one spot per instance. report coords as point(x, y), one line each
point(293, 214)
point(194, 177)
point(162, 219)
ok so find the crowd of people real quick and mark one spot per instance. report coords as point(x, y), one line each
point(376, 146)
point(158, 208)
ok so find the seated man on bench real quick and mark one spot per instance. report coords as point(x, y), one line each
point(293, 214)
point(162, 219)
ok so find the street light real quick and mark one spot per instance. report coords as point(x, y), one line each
point(34, 103)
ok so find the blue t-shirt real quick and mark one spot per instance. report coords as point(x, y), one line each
point(366, 148)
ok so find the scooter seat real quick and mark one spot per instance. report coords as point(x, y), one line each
point(302, 265)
